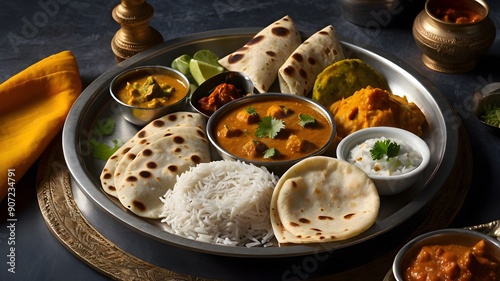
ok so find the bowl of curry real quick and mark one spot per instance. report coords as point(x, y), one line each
point(219, 90)
point(449, 254)
point(147, 92)
point(274, 130)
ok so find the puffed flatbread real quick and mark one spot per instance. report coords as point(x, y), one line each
point(323, 199)
point(261, 57)
point(170, 120)
point(297, 75)
point(154, 170)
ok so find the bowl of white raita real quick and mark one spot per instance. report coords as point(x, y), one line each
point(393, 158)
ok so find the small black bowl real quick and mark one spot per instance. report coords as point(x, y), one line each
point(238, 79)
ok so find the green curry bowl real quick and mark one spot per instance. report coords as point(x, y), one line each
point(271, 130)
point(146, 93)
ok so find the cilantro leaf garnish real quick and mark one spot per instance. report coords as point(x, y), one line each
point(103, 151)
point(100, 150)
point(270, 153)
point(384, 147)
point(250, 110)
point(269, 127)
point(305, 120)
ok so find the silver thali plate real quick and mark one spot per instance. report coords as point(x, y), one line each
point(95, 103)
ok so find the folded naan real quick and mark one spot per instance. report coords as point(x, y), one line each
point(170, 120)
point(323, 199)
point(298, 73)
point(155, 169)
point(261, 57)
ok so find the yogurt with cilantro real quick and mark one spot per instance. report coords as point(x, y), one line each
point(384, 157)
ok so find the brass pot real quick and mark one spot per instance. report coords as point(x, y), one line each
point(451, 43)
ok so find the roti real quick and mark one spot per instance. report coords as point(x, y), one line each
point(261, 57)
point(298, 73)
point(154, 171)
point(323, 199)
point(140, 145)
point(170, 120)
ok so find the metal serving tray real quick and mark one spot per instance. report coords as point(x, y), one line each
point(95, 103)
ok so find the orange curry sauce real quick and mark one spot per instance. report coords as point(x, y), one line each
point(453, 262)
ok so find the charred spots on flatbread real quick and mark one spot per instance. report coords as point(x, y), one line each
point(255, 40)
point(113, 157)
point(349, 216)
point(143, 141)
point(160, 123)
point(321, 218)
point(139, 205)
point(173, 168)
point(131, 156)
point(152, 165)
point(271, 53)
point(280, 31)
point(196, 159)
point(234, 58)
point(145, 174)
point(311, 60)
point(125, 150)
point(290, 71)
point(172, 118)
point(107, 176)
point(141, 134)
point(112, 187)
point(131, 179)
point(179, 139)
point(177, 150)
point(298, 57)
point(304, 220)
point(303, 73)
point(147, 152)
point(294, 224)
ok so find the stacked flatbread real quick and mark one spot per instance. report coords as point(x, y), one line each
point(261, 57)
point(323, 199)
point(298, 73)
point(146, 166)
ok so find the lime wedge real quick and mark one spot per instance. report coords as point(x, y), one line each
point(201, 71)
point(206, 56)
point(182, 64)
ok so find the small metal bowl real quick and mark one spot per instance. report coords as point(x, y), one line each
point(393, 184)
point(139, 115)
point(238, 79)
point(489, 94)
point(457, 236)
point(276, 166)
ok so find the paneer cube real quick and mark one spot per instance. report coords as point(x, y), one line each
point(226, 132)
point(254, 148)
point(248, 118)
point(296, 144)
point(276, 111)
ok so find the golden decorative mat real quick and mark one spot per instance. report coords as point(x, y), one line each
point(70, 227)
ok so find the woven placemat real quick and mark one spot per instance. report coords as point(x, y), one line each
point(72, 229)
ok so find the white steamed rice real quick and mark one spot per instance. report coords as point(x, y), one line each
point(407, 160)
point(221, 202)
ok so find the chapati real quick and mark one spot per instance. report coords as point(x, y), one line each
point(323, 199)
point(261, 57)
point(298, 73)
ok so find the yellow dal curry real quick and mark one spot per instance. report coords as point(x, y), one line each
point(236, 130)
point(151, 91)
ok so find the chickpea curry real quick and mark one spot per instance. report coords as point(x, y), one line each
point(152, 91)
point(453, 262)
point(273, 130)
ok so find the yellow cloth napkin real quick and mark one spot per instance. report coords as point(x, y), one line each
point(33, 106)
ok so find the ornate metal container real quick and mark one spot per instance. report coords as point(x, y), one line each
point(453, 34)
